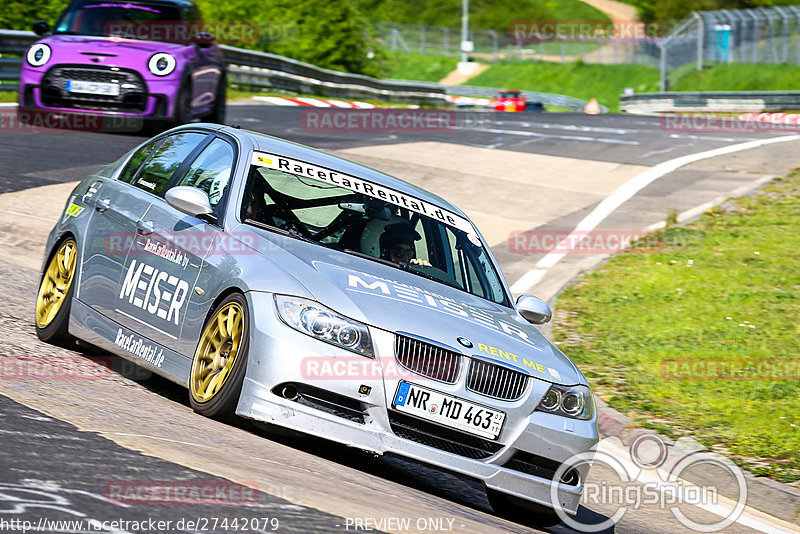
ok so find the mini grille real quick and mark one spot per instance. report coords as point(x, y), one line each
point(495, 381)
point(426, 359)
point(132, 95)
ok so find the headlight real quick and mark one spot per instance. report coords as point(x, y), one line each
point(161, 64)
point(317, 321)
point(575, 402)
point(38, 54)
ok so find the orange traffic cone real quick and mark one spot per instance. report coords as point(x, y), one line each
point(592, 107)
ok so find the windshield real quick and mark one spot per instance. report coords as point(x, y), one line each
point(365, 219)
point(133, 20)
point(510, 94)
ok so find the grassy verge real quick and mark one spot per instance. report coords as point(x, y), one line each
point(738, 77)
point(420, 67)
point(584, 81)
point(700, 338)
point(9, 96)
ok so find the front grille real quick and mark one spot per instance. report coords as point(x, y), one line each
point(496, 381)
point(442, 438)
point(541, 467)
point(132, 97)
point(426, 359)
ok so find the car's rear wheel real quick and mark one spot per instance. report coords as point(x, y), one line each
point(182, 112)
point(54, 299)
point(220, 361)
point(218, 114)
point(515, 509)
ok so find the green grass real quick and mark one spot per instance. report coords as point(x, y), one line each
point(726, 288)
point(9, 96)
point(584, 81)
point(419, 67)
point(482, 15)
point(737, 77)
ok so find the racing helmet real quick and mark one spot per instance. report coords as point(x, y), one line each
point(380, 235)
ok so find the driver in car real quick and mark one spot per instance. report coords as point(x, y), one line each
point(397, 244)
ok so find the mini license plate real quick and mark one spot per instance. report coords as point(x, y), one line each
point(449, 411)
point(92, 88)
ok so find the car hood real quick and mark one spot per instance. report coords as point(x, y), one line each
point(399, 301)
point(106, 51)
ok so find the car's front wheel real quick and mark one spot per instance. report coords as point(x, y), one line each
point(182, 112)
point(220, 361)
point(510, 507)
point(55, 293)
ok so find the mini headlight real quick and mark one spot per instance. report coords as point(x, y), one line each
point(322, 323)
point(38, 55)
point(570, 401)
point(161, 64)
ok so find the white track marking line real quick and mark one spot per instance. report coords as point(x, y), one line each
point(526, 133)
point(528, 280)
point(639, 182)
point(696, 211)
point(8, 105)
point(29, 215)
point(661, 480)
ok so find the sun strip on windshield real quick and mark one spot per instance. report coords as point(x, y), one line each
point(358, 185)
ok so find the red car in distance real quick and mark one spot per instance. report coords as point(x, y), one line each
point(509, 101)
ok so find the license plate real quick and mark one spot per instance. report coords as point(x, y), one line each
point(448, 410)
point(92, 88)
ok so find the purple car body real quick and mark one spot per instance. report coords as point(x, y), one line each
point(125, 59)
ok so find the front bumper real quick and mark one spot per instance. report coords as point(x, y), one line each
point(146, 98)
point(279, 356)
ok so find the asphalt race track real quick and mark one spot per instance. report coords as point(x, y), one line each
point(77, 438)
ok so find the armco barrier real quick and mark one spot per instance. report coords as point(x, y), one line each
point(261, 69)
point(717, 101)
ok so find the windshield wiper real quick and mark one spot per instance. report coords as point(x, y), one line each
point(407, 267)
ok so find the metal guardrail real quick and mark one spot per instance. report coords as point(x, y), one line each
point(261, 69)
point(717, 101)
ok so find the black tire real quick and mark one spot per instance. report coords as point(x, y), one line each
point(222, 403)
point(56, 332)
point(182, 113)
point(521, 511)
point(219, 112)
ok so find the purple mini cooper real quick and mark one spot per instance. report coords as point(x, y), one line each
point(144, 59)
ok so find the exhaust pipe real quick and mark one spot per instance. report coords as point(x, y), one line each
point(289, 391)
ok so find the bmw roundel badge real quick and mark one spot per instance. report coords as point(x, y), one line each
point(466, 342)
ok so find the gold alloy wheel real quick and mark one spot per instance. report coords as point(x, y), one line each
point(216, 352)
point(55, 283)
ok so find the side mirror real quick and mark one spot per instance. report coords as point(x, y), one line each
point(534, 309)
point(204, 39)
point(41, 27)
point(189, 200)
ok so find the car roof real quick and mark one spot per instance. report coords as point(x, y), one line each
point(282, 147)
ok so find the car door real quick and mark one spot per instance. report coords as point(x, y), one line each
point(112, 227)
point(158, 272)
